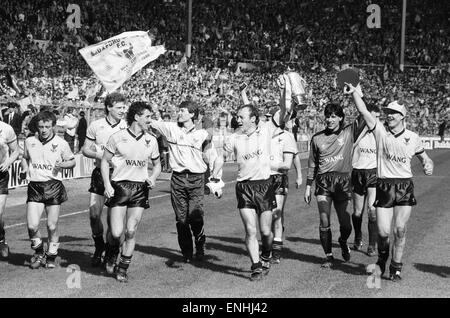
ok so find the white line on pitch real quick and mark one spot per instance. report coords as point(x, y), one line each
point(78, 212)
point(84, 211)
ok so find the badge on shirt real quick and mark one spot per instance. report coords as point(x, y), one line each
point(340, 141)
point(407, 141)
point(54, 147)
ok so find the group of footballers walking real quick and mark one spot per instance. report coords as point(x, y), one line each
point(363, 160)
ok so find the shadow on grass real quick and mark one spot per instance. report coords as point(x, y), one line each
point(174, 259)
point(441, 271)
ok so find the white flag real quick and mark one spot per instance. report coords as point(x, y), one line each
point(116, 59)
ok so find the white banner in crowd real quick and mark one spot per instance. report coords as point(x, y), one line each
point(116, 59)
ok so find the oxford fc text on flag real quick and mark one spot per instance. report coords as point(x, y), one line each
point(116, 59)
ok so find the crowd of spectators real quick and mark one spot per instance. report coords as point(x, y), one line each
point(314, 38)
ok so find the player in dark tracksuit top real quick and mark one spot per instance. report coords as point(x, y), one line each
point(330, 164)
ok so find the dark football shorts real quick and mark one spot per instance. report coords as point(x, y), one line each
point(280, 184)
point(394, 192)
point(336, 185)
point(4, 180)
point(130, 194)
point(258, 195)
point(50, 192)
point(97, 185)
point(363, 179)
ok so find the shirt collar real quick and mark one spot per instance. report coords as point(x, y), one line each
point(254, 131)
point(43, 142)
point(398, 134)
point(111, 124)
point(134, 136)
point(189, 130)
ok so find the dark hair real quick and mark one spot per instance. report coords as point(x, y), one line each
point(136, 108)
point(25, 114)
point(82, 113)
point(192, 107)
point(373, 108)
point(166, 116)
point(336, 109)
point(113, 98)
point(253, 112)
point(12, 105)
point(46, 116)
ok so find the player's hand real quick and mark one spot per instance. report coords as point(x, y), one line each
point(428, 167)
point(349, 88)
point(298, 182)
point(23, 175)
point(307, 196)
point(281, 82)
point(4, 166)
point(109, 191)
point(151, 182)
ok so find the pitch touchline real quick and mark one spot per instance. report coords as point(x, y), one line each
point(84, 211)
point(75, 213)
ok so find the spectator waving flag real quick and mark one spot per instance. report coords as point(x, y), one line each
point(116, 59)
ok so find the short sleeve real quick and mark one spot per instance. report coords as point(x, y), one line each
point(10, 135)
point(90, 133)
point(291, 144)
point(155, 149)
point(66, 152)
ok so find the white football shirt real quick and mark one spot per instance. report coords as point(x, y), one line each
point(395, 152)
point(42, 157)
point(99, 132)
point(131, 155)
point(185, 146)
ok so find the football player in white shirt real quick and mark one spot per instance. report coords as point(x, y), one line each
point(283, 151)
point(395, 189)
point(8, 143)
point(97, 136)
point(254, 189)
point(127, 190)
point(364, 181)
point(43, 160)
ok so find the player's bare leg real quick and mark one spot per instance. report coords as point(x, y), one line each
point(265, 226)
point(134, 216)
point(116, 220)
point(250, 221)
point(384, 221)
point(53, 237)
point(401, 217)
point(372, 222)
point(96, 203)
point(359, 206)
point(34, 214)
point(4, 248)
point(277, 228)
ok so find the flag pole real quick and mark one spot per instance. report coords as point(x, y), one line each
point(402, 44)
point(189, 28)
